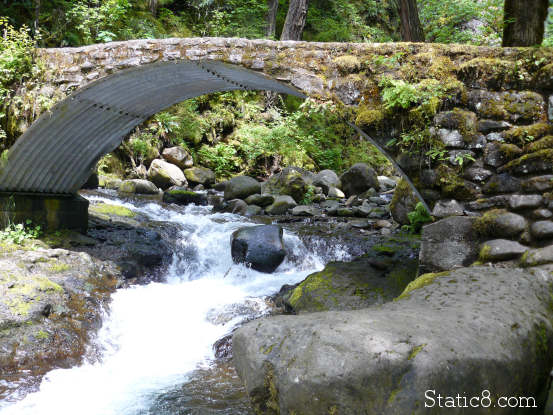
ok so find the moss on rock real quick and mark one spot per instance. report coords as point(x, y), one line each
point(422, 281)
point(111, 210)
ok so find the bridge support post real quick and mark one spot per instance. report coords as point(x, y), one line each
point(51, 211)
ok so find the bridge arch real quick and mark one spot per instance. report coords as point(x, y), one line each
point(59, 151)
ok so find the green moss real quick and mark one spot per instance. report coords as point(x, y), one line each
point(509, 151)
point(491, 72)
point(485, 225)
point(57, 268)
point(42, 335)
point(415, 351)
point(384, 249)
point(107, 209)
point(348, 64)
point(369, 116)
point(526, 134)
point(452, 184)
point(421, 282)
point(181, 192)
point(538, 156)
point(542, 144)
point(485, 252)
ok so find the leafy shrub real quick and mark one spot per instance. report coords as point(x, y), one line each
point(19, 233)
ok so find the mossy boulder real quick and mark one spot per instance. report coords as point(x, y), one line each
point(291, 181)
point(493, 73)
point(200, 175)
point(541, 144)
point(368, 280)
point(500, 223)
point(183, 196)
point(309, 363)
point(403, 202)
point(538, 162)
point(106, 209)
point(521, 107)
point(525, 134)
point(358, 179)
point(138, 186)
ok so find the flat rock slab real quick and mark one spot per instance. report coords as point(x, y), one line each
point(464, 331)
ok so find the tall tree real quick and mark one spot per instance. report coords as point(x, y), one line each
point(411, 29)
point(272, 17)
point(524, 22)
point(295, 20)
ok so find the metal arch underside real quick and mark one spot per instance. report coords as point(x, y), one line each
point(57, 154)
point(59, 151)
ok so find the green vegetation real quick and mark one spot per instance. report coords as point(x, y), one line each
point(417, 218)
point(19, 233)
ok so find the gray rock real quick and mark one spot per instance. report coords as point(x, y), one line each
point(236, 206)
point(502, 183)
point(383, 359)
point(448, 243)
point(377, 200)
point(446, 208)
point(200, 175)
point(291, 181)
point(477, 174)
point(378, 213)
point(461, 157)
point(451, 139)
point(262, 200)
point(330, 204)
point(241, 187)
point(93, 182)
point(182, 196)
point(220, 186)
point(363, 211)
point(336, 193)
point(138, 186)
point(495, 137)
point(542, 229)
point(111, 183)
point(506, 225)
point(538, 184)
point(489, 126)
point(253, 210)
point(501, 250)
point(327, 179)
point(516, 202)
point(386, 183)
point(542, 214)
point(178, 156)
point(306, 211)
point(344, 212)
point(478, 142)
point(358, 179)
point(165, 175)
point(539, 256)
point(493, 156)
point(260, 247)
point(281, 205)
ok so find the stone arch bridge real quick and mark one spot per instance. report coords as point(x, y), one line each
point(493, 108)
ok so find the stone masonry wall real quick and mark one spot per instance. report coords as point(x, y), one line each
point(491, 124)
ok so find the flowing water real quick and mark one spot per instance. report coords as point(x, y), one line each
point(154, 352)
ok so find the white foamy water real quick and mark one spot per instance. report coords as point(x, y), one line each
point(155, 335)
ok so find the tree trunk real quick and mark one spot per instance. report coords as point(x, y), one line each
point(295, 20)
point(154, 4)
point(37, 17)
point(411, 29)
point(271, 18)
point(524, 21)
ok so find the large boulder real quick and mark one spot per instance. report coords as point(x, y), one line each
point(449, 243)
point(374, 278)
point(165, 175)
point(358, 179)
point(260, 247)
point(183, 196)
point(403, 202)
point(281, 205)
point(139, 187)
point(200, 175)
point(241, 187)
point(291, 181)
point(178, 156)
point(463, 332)
point(327, 179)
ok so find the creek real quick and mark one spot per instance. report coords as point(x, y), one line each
point(154, 352)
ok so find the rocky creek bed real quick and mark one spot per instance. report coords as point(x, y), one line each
point(357, 322)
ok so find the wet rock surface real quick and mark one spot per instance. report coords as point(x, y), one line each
point(260, 247)
point(366, 361)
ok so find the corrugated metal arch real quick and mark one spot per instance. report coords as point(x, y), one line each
point(58, 152)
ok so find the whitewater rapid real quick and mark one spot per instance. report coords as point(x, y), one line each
point(154, 336)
